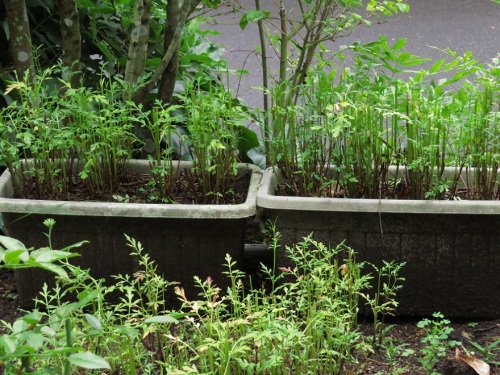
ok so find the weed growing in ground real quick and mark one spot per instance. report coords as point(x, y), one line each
point(436, 340)
point(307, 321)
point(487, 351)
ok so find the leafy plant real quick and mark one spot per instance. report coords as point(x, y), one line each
point(487, 351)
point(292, 327)
point(160, 123)
point(296, 40)
point(436, 341)
point(307, 321)
point(384, 302)
point(85, 129)
point(33, 344)
point(95, 36)
point(15, 255)
point(363, 132)
point(214, 124)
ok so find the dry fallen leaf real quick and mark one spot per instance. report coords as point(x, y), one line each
point(466, 335)
point(481, 367)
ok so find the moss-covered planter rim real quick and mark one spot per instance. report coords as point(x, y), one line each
point(146, 210)
point(267, 200)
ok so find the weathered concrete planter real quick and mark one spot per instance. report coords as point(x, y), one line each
point(451, 248)
point(184, 240)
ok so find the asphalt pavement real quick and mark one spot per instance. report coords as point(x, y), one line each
point(461, 25)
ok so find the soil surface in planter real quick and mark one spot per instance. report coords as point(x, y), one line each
point(399, 191)
point(186, 189)
point(402, 334)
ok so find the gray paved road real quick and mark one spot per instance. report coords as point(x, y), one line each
point(462, 25)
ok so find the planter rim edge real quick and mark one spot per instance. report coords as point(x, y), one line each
point(267, 200)
point(144, 210)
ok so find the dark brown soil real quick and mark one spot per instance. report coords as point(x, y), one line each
point(185, 188)
point(399, 191)
point(405, 335)
point(401, 336)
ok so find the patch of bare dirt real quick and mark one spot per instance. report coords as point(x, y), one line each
point(400, 351)
point(186, 188)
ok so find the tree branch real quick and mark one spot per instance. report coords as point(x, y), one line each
point(138, 49)
point(20, 38)
point(71, 40)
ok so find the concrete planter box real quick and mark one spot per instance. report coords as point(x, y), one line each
point(184, 240)
point(451, 248)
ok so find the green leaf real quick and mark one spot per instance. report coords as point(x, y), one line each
point(93, 321)
point(400, 43)
point(49, 256)
point(88, 360)
point(11, 243)
point(101, 10)
point(16, 257)
point(129, 331)
point(456, 77)
point(32, 317)
point(58, 270)
point(436, 66)
point(495, 72)
point(161, 319)
point(246, 141)
point(86, 296)
point(8, 345)
point(253, 16)
point(416, 61)
point(48, 331)
point(78, 244)
point(35, 340)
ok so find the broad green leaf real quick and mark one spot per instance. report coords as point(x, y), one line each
point(154, 62)
point(19, 326)
point(495, 72)
point(400, 43)
point(101, 10)
point(88, 360)
point(58, 270)
point(16, 257)
point(55, 321)
point(403, 8)
point(436, 66)
point(129, 331)
point(32, 317)
point(403, 58)
point(253, 16)
point(49, 256)
point(35, 340)
point(416, 61)
point(48, 331)
point(11, 243)
point(246, 141)
point(456, 77)
point(8, 345)
point(87, 296)
point(93, 321)
point(178, 315)
point(161, 319)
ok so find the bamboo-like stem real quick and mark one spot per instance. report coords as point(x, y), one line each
point(283, 45)
point(265, 82)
